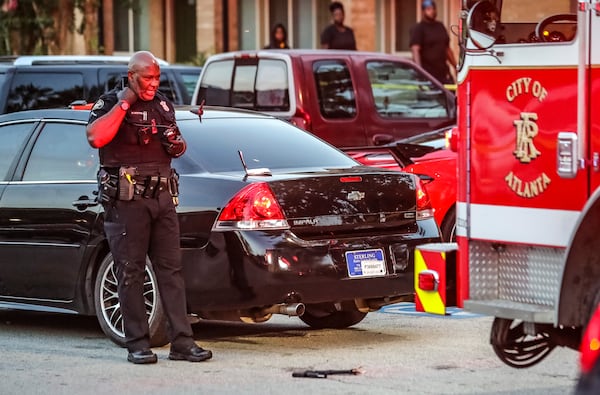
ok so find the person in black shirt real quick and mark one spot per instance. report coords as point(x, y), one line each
point(337, 35)
point(430, 44)
point(278, 38)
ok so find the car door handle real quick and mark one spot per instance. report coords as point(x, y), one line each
point(84, 202)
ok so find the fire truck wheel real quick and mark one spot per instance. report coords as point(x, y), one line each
point(325, 315)
point(448, 228)
point(516, 348)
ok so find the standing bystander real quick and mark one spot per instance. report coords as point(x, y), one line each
point(135, 130)
point(430, 44)
point(337, 35)
point(278, 39)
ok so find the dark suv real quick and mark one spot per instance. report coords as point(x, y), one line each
point(35, 82)
point(348, 98)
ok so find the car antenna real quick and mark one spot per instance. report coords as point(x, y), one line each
point(263, 171)
point(201, 110)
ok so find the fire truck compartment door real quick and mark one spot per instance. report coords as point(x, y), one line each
point(435, 277)
point(594, 95)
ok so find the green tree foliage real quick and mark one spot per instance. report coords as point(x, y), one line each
point(41, 27)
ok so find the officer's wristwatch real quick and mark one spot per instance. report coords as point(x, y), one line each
point(124, 104)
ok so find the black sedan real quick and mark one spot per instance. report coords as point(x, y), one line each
point(273, 221)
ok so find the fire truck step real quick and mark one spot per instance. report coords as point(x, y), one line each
point(513, 310)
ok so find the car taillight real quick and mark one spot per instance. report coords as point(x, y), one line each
point(424, 208)
point(301, 119)
point(452, 139)
point(253, 207)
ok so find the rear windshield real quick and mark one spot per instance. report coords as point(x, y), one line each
point(265, 142)
point(258, 84)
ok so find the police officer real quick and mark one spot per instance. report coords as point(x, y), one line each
point(135, 130)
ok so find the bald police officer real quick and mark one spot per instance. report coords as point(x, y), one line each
point(135, 130)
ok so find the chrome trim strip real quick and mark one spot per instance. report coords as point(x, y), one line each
point(31, 244)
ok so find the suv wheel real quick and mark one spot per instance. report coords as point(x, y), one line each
point(108, 308)
point(327, 316)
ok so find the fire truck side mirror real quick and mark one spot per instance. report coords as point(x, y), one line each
point(477, 24)
point(566, 155)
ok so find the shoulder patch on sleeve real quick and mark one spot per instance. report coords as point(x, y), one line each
point(98, 105)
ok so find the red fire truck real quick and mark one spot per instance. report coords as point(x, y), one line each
point(528, 210)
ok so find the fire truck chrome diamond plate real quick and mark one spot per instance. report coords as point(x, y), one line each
point(520, 274)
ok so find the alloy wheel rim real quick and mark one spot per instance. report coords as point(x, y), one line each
point(111, 307)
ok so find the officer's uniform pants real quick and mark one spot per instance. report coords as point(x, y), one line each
point(136, 228)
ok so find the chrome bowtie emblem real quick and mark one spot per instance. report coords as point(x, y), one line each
point(356, 195)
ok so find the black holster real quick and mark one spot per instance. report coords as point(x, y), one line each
point(107, 186)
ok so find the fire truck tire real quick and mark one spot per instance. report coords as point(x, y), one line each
point(448, 228)
point(517, 349)
point(325, 315)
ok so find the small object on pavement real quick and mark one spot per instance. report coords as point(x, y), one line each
point(322, 374)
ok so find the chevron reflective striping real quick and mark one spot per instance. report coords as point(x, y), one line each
point(430, 301)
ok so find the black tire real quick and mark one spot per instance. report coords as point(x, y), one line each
point(326, 316)
point(448, 228)
point(108, 311)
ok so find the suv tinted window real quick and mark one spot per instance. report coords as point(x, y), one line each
point(62, 153)
point(13, 136)
point(335, 89)
point(44, 90)
point(400, 91)
point(259, 85)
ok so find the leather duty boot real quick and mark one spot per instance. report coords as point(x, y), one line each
point(142, 356)
point(191, 353)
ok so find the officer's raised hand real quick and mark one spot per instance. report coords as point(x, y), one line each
point(127, 95)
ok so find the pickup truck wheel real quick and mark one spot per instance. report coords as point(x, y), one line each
point(327, 316)
point(108, 308)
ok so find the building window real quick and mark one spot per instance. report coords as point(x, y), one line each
point(131, 25)
point(405, 14)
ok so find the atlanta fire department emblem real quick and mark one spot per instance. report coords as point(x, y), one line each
point(527, 129)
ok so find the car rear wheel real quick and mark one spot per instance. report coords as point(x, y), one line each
point(108, 308)
point(448, 228)
point(327, 316)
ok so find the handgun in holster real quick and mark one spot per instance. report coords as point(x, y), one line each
point(107, 189)
point(173, 184)
point(126, 185)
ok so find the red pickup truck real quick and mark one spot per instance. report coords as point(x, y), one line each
point(348, 98)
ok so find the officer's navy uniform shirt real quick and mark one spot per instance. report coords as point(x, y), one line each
point(138, 141)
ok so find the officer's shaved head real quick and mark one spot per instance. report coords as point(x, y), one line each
point(141, 59)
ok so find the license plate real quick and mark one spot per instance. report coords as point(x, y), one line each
point(365, 263)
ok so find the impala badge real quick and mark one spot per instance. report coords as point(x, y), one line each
point(355, 196)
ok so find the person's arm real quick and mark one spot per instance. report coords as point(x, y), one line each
point(416, 53)
point(415, 40)
point(102, 130)
point(450, 56)
point(325, 38)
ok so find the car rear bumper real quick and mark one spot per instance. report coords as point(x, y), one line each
point(245, 269)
